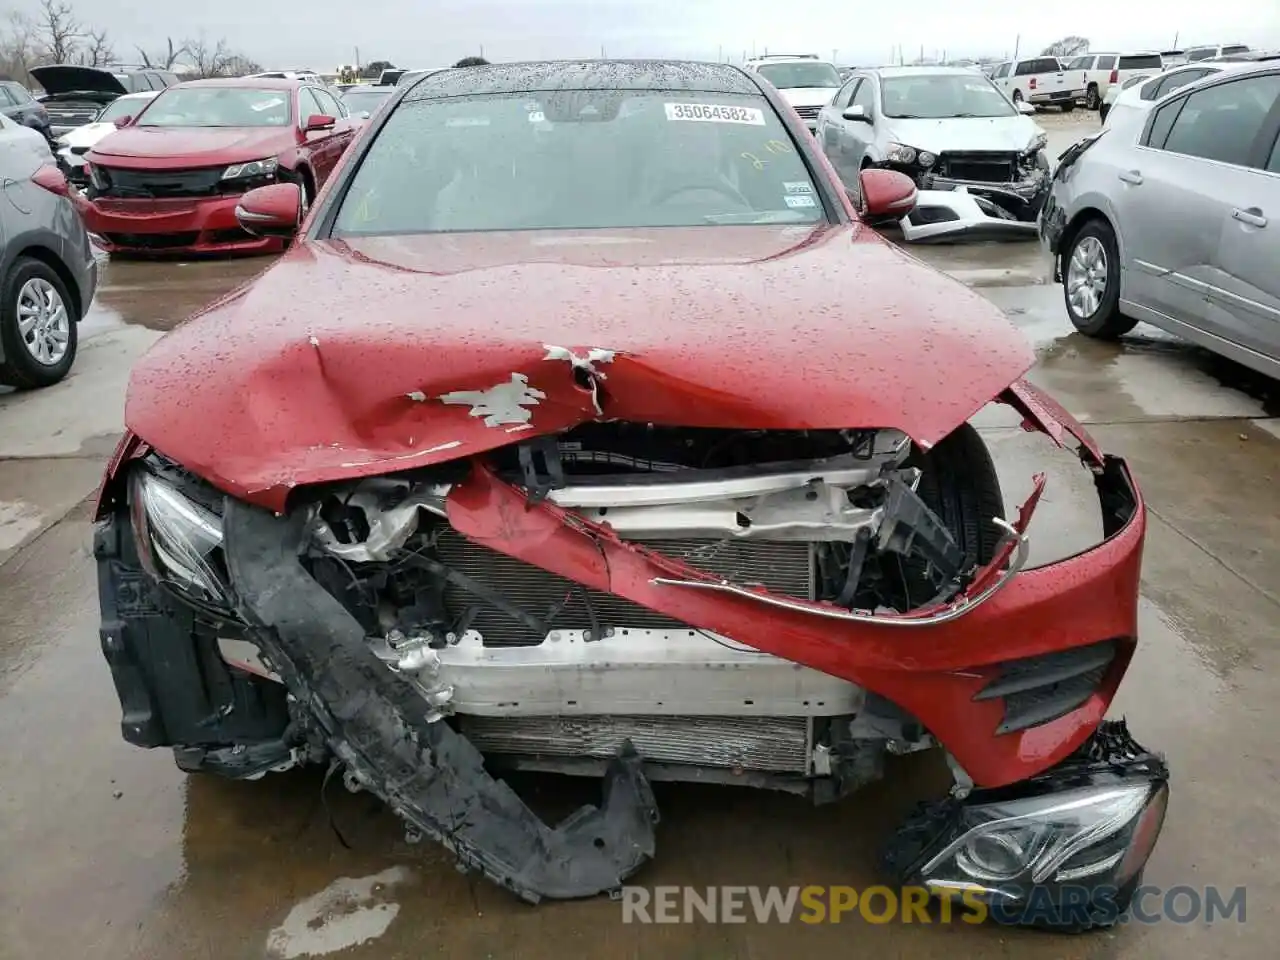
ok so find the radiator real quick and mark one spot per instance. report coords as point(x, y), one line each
point(780, 567)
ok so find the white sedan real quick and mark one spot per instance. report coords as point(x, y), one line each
point(74, 144)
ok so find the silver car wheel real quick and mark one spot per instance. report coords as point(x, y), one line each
point(43, 321)
point(1087, 277)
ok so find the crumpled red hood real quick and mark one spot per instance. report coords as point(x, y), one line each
point(332, 364)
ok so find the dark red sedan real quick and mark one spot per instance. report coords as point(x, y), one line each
point(169, 180)
point(588, 428)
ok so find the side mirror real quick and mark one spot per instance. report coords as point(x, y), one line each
point(121, 122)
point(363, 115)
point(319, 121)
point(271, 211)
point(856, 113)
point(1026, 109)
point(886, 195)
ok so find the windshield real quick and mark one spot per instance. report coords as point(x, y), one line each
point(579, 160)
point(121, 108)
point(1201, 53)
point(800, 73)
point(358, 101)
point(1235, 48)
point(218, 107)
point(942, 96)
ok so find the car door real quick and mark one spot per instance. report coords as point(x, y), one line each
point(319, 145)
point(343, 130)
point(1173, 203)
point(827, 131)
point(1244, 297)
point(833, 131)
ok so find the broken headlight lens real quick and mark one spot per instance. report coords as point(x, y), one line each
point(1099, 835)
point(179, 540)
point(1038, 142)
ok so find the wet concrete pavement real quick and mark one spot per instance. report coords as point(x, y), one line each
point(107, 851)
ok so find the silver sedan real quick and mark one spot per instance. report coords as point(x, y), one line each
point(1173, 218)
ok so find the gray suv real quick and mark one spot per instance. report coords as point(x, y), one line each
point(47, 269)
point(1172, 217)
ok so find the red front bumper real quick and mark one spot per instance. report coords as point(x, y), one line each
point(183, 225)
point(936, 671)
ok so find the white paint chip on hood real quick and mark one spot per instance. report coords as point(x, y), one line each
point(502, 403)
point(348, 912)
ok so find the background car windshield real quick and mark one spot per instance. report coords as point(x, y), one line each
point(218, 107)
point(120, 108)
point(942, 96)
point(804, 73)
point(358, 100)
point(576, 160)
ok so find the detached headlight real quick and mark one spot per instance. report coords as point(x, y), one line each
point(179, 540)
point(901, 153)
point(1039, 142)
point(254, 168)
point(1097, 835)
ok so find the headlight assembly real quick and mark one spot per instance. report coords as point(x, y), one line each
point(179, 540)
point(1038, 142)
point(254, 168)
point(900, 153)
point(1095, 835)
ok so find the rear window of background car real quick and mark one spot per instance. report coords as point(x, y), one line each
point(579, 160)
point(1144, 61)
point(1038, 65)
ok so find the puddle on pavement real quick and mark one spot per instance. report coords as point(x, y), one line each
point(160, 294)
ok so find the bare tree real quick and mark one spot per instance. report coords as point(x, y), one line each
point(163, 61)
point(58, 32)
point(17, 47)
point(209, 60)
point(97, 51)
point(1066, 47)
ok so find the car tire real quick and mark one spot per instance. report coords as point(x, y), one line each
point(1103, 110)
point(1092, 259)
point(1091, 98)
point(38, 321)
point(1017, 96)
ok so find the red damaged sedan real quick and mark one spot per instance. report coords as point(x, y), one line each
point(588, 428)
point(170, 179)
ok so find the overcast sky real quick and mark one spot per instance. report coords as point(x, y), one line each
point(320, 34)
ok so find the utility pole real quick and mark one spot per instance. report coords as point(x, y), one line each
point(834, 54)
point(1176, 33)
point(357, 61)
point(482, 51)
point(720, 53)
point(1017, 42)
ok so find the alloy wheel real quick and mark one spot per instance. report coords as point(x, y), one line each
point(1087, 277)
point(44, 324)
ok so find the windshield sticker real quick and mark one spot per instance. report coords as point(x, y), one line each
point(266, 104)
point(714, 113)
point(794, 202)
point(537, 116)
point(467, 122)
point(800, 187)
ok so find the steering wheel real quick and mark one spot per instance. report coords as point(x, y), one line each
point(722, 189)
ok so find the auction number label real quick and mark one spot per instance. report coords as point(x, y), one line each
point(715, 113)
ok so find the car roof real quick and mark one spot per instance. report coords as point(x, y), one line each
point(905, 71)
point(245, 83)
point(544, 75)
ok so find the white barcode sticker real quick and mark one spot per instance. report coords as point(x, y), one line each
point(715, 113)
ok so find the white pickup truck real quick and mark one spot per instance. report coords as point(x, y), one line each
point(1040, 81)
point(1098, 71)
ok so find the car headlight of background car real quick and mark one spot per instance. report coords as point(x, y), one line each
point(1096, 836)
point(252, 169)
point(909, 156)
point(179, 539)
